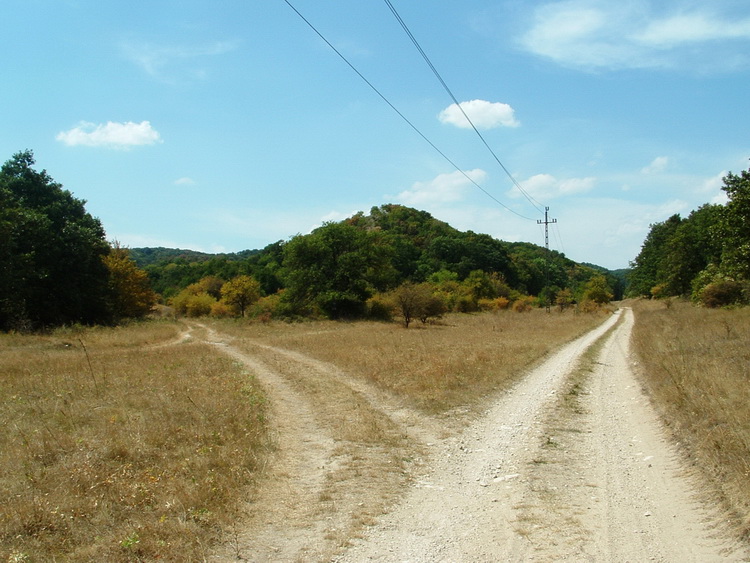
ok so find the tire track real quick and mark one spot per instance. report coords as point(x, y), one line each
point(605, 482)
point(465, 509)
point(326, 479)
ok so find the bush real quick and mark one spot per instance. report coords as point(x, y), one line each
point(199, 305)
point(221, 310)
point(524, 304)
point(722, 293)
point(589, 306)
point(498, 304)
point(380, 308)
point(434, 308)
point(465, 304)
point(267, 307)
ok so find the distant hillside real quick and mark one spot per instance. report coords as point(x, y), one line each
point(148, 256)
point(397, 243)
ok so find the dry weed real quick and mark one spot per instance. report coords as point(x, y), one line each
point(115, 450)
point(695, 364)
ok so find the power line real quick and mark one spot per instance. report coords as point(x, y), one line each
point(558, 235)
point(402, 116)
point(400, 20)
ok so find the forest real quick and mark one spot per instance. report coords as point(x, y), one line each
point(394, 261)
point(704, 257)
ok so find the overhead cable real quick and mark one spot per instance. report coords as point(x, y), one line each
point(401, 115)
point(528, 196)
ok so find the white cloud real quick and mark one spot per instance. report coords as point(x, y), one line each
point(184, 181)
point(692, 28)
point(111, 135)
point(484, 115)
point(713, 184)
point(163, 61)
point(444, 188)
point(659, 164)
point(545, 187)
point(595, 34)
point(712, 187)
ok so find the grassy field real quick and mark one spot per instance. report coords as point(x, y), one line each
point(696, 365)
point(130, 444)
point(454, 363)
point(114, 449)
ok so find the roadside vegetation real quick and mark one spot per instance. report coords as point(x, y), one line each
point(695, 365)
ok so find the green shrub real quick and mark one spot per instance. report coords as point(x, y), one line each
point(380, 308)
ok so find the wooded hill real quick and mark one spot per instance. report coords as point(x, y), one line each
point(339, 266)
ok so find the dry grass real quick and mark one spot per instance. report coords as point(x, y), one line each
point(128, 444)
point(112, 449)
point(697, 367)
point(438, 367)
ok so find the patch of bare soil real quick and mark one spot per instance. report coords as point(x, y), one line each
point(563, 467)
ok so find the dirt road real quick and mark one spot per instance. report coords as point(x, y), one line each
point(570, 465)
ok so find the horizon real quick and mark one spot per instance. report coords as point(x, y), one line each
point(228, 129)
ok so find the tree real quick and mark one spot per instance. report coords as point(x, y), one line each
point(735, 226)
point(240, 293)
point(336, 268)
point(212, 285)
point(412, 301)
point(131, 293)
point(564, 299)
point(648, 267)
point(597, 290)
point(52, 270)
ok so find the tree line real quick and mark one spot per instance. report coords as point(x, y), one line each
point(58, 268)
point(705, 256)
point(371, 265)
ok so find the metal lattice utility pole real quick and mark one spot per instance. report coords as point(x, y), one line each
point(546, 224)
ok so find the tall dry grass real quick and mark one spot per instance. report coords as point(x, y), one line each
point(114, 449)
point(696, 365)
point(436, 367)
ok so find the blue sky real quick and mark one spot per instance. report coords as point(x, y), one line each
point(223, 126)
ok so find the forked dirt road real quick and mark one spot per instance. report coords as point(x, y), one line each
point(569, 465)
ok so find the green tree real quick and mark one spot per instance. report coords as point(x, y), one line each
point(564, 299)
point(597, 290)
point(734, 226)
point(240, 293)
point(336, 268)
point(52, 270)
point(648, 266)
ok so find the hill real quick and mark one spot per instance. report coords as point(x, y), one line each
point(387, 247)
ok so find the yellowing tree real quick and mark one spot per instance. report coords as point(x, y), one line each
point(240, 292)
point(597, 290)
point(132, 296)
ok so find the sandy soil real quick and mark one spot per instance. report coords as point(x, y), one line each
point(570, 465)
